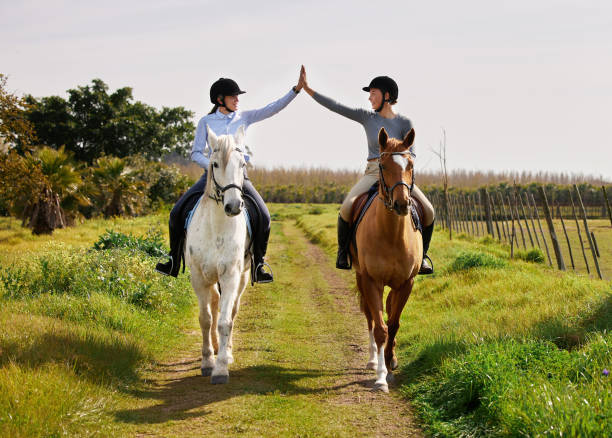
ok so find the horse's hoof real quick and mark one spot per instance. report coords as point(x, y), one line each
point(371, 365)
point(382, 387)
point(394, 363)
point(219, 380)
point(206, 371)
point(390, 378)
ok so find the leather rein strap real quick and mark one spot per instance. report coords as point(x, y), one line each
point(387, 197)
point(219, 189)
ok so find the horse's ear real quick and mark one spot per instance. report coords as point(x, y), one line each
point(382, 138)
point(212, 137)
point(239, 136)
point(409, 139)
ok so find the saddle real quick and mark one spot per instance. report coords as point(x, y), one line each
point(252, 216)
point(363, 202)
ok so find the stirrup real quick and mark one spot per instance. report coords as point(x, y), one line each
point(430, 262)
point(261, 265)
point(159, 263)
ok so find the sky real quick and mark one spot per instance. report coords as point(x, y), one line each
point(522, 85)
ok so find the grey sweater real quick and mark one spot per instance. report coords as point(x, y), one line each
point(371, 121)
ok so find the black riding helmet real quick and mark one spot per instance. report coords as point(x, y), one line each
point(224, 87)
point(386, 85)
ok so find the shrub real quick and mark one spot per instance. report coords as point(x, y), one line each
point(534, 255)
point(476, 259)
point(152, 245)
point(119, 272)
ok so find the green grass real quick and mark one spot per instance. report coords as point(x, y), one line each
point(601, 228)
point(488, 345)
point(78, 326)
point(493, 346)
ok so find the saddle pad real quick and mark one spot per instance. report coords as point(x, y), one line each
point(244, 211)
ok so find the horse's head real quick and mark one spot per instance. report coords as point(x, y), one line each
point(396, 171)
point(226, 170)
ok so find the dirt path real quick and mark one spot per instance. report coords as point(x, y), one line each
point(300, 349)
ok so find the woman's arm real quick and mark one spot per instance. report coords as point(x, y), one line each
point(199, 145)
point(356, 114)
point(253, 116)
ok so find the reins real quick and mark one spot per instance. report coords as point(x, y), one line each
point(387, 197)
point(220, 190)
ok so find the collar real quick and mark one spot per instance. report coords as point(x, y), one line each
point(220, 115)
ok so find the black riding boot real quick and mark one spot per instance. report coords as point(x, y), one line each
point(259, 251)
point(426, 267)
point(172, 266)
point(344, 234)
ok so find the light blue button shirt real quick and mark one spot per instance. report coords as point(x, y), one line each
point(223, 124)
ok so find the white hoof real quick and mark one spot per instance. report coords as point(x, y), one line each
point(383, 387)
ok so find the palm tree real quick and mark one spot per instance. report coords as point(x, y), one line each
point(118, 190)
point(56, 204)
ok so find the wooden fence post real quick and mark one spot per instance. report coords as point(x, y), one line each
point(500, 217)
point(595, 244)
point(518, 218)
point(551, 228)
point(586, 261)
point(487, 208)
point(513, 236)
point(525, 219)
point(535, 207)
point(588, 233)
point(505, 214)
point(603, 188)
point(448, 215)
point(569, 246)
point(535, 232)
point(470, 207)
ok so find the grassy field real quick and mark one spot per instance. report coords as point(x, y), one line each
point(488, 346)
point(492, 346)
point(599, 227)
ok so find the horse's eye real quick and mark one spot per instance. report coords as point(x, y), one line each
point(215, 164)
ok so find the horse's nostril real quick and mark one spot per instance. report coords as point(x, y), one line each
point(228, 209)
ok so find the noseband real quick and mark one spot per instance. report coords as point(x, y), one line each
point(387, 197)
point(219, 190)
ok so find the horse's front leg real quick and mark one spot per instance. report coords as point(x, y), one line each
point(396, 300)
point(205, 293)
point(372, 292)
point(372, 349)
point(229, 292)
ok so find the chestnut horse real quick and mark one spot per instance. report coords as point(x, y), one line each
point(389, 253)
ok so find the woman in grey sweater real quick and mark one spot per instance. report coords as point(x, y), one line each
point(383, 95)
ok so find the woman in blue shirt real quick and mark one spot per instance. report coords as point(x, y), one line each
point(383, 94)
point(225, 118)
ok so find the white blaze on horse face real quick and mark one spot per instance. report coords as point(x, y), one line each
point(234, 174)
point(401, 161)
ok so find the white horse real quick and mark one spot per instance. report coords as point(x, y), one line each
point(216, 251)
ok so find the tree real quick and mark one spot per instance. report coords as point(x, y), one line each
point(15, 128)
point(119, 191)
point(92, 123)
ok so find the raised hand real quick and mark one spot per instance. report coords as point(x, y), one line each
point(303, 82)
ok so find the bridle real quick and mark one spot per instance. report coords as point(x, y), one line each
point(219, 190)
point(387, 192)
